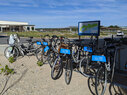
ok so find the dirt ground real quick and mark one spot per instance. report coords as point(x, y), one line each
point(31, 79)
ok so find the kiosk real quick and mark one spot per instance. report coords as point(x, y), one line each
point(89, 28)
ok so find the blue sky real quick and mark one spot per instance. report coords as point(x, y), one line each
point(64, 13)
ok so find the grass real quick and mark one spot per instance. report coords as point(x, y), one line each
point(37, 34)
point(39, 63)
point(6, 70)
point(67, 34)
point(11, 59)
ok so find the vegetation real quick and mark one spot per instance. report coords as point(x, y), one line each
point(37, 34)
point(111, 26)
point(39, 63)
point(60, 33)
point(6, 70)
point(11, 59)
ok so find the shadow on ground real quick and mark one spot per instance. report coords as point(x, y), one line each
point(113, 89)
point(117, 90)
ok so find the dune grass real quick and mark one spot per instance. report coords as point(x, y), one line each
point(38, 34)
point(67, 34)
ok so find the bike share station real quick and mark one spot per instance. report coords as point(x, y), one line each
point(92, 29)
point(103, 60)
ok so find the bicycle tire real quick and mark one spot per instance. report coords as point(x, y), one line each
point(91, 83)
point(82, 67)
point(68, 71)
point(14, 52)
point(51, 58)
point(39, 54)
point(101, 76)
point(56, 68)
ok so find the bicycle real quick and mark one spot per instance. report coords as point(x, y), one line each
point(106, 62)
point(63, 60)
point(16, 49)
point(86, 66)
point(47, 51)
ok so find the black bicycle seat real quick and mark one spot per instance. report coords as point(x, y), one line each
point(78, 40)
point(77, 43)
point(99, 51)
point(29, 40)
point(47, 35)
point(31, 37)
point(54, 36)
point(107, 39)
point(111, 46)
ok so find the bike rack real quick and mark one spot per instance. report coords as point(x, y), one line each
point(121, 73)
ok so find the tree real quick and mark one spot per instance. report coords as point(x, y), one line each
point(115, 26)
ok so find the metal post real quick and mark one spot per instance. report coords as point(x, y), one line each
point(119, 58)
point(97, 42)
point(79, 38)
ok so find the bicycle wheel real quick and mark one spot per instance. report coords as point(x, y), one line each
point(39, 54)
point(56, 68)
point(101, 81)
point(91, 85)
point(84, 67)
point(11, 52)
point(51, 58)
point(91, 82)
point(68, 71)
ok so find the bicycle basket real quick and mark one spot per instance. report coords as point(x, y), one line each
point(64, 46)
point(11, 40)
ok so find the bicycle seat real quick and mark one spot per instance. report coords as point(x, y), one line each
point(111, 46)
point(31, 37)
point(99, 51)
point(77, 43)
point(47, 35)
point(29, 40)
point(54, 36)
point(65, 46)
point(62, 37)
point(107, 39)
point(78, 40)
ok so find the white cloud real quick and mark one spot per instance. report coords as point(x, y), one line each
point(62, 11)
point(19, 3)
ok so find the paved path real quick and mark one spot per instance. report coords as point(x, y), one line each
point(3, 39)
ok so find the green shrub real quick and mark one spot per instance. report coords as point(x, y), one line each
point(11, 59)
point(6, 70)
point(39, 63)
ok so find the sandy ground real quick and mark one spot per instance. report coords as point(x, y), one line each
point(31, 79)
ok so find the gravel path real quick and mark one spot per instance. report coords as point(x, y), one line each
point(30, 79)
